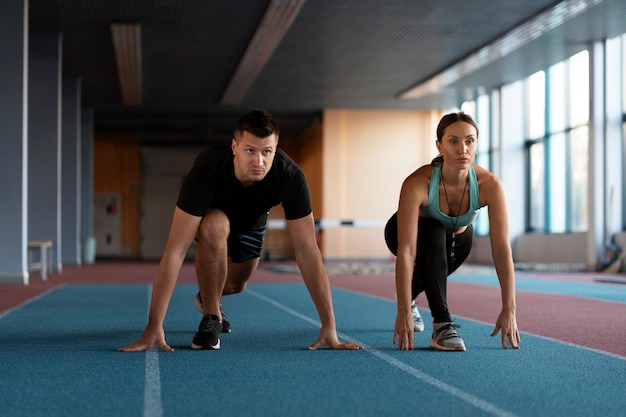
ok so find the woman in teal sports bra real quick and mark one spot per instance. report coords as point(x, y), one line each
point(443, 199)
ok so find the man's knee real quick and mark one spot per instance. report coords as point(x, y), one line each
point(234, 287)
point(238, 276)
point(214, 227)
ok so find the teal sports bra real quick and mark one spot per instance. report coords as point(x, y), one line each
point(431, 209)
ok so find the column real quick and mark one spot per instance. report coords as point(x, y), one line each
point(86, 184)
point(14, 143)
point(44, 142)
point(70, 172)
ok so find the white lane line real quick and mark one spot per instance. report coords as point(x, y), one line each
point(456, 392)
point(30, 300)
point(152, 404)
point(560, 342)
point(538, 336)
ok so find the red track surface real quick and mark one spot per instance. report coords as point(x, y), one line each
point(590, 323)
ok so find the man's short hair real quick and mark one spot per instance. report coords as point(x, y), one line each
point(258, 122)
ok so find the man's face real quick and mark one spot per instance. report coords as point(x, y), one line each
point(253, 156)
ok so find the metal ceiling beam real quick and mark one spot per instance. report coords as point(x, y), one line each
point(127, 46)
point(277, 20)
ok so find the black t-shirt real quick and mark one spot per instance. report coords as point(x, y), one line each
point(211, 183)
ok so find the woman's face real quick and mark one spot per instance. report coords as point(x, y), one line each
point(458, 144)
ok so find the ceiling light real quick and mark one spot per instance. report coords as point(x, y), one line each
point(127, 45)
point(501, 47)
point(278, 17)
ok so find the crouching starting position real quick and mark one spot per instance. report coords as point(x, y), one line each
point(223, 204)
point(441, 201)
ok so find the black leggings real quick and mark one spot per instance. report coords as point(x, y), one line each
point(433, 263)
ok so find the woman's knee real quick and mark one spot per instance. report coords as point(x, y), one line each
point(391, 234)
point(431, 237)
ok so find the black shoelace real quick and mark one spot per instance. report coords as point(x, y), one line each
point(449, 331)
point(210, 323)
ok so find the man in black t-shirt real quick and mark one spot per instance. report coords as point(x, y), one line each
point(223, 204)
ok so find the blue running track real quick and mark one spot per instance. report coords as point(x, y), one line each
point(58, 358)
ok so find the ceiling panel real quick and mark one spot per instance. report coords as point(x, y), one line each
point(336, 54)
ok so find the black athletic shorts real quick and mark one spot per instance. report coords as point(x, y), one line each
point(246, 244)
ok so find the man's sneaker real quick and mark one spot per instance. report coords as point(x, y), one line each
point(445, 337)
point(418, 323)
point(197, 301)
point(208, 334)
point(225, 322)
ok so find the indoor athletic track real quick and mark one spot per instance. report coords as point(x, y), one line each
point(58, 349)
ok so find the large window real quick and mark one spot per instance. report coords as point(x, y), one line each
point(558, 144)
point(622, 70)
point(480, 110)
point(538, 149)
point(548, 114)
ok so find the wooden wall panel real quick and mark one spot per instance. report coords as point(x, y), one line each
point(306, 150)
point(117, 168)
point(309, 157)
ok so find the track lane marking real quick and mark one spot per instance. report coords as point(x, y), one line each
point(152, 404)
point(30, 300)
point(456, 392)
point(152, 401)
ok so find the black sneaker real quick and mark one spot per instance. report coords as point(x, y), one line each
point(208, 334)
point(197, 301)
point(225, 322)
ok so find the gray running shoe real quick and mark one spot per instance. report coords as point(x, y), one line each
point(418, 323)
point(446, 338)
point(197, 301)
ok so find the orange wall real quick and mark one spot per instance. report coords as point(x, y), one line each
point(117, 170)
point(306, 150)
point(367, 154)
point(355, 162)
